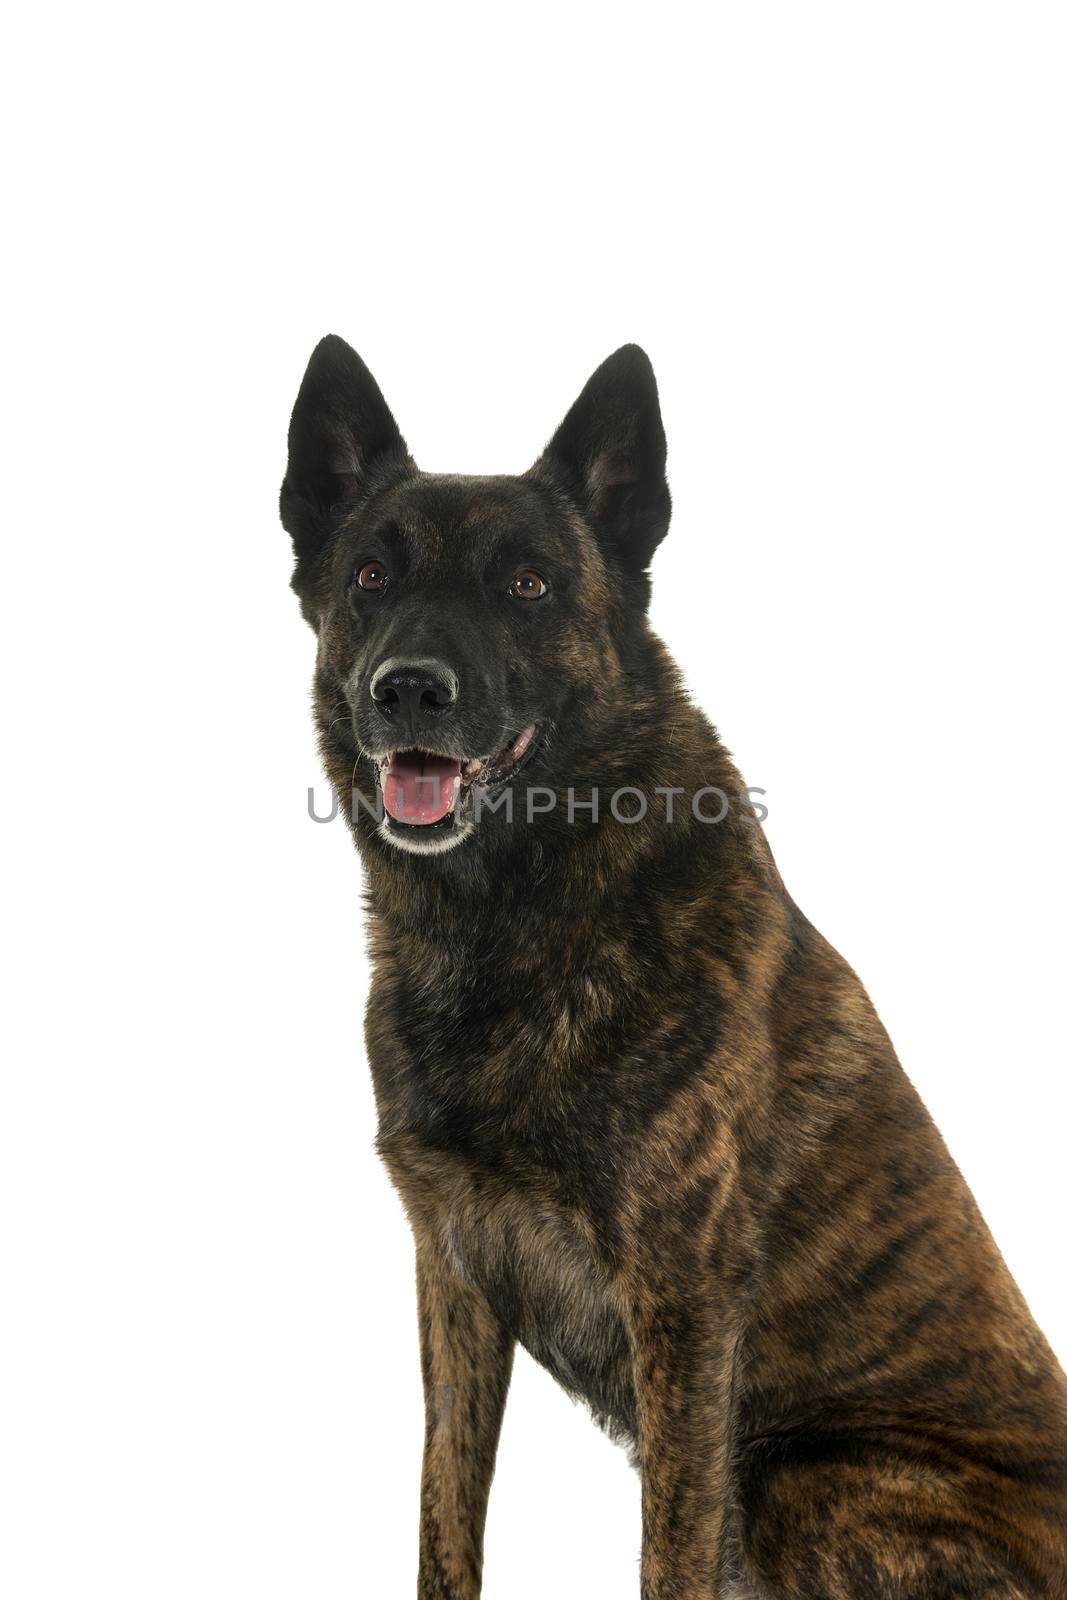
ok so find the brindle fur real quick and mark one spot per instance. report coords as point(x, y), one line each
point(643, 1119)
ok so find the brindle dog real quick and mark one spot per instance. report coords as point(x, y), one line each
point(642, 1117)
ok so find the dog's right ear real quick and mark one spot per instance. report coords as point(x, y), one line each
point(341, 430)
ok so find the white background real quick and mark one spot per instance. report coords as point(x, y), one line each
point(839, 232)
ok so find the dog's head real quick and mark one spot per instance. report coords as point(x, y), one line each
point(474, 632)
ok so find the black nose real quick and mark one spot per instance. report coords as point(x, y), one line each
point(414, 693)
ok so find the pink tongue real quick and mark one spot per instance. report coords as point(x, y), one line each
point(420, 788)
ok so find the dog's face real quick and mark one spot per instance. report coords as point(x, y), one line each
point(473, 631)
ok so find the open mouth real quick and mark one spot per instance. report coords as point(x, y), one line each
point(423, 790)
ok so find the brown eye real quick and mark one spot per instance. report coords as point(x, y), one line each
point(372, 575)
point(528, 585)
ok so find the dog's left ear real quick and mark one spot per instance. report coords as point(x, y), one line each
point(612, 452)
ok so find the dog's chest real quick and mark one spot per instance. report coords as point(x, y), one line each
point(535, 1262)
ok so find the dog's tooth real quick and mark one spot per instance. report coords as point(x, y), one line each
point(472, 767)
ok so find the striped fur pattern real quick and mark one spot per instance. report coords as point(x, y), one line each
point(643, 1118)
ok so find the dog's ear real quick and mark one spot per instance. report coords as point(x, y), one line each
point(341, 431)
point(612, 450)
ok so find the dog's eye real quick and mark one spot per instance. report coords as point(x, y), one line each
point(372, 576)
point(528, 585)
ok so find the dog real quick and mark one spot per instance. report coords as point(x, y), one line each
point(642, 1118)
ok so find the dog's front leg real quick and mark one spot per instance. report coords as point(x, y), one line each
point(683, 1353)
point(466, 1367)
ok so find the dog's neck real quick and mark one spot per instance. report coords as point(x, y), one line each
point(464, 905)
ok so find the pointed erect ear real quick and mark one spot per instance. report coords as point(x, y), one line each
point(341, 431)
point(611, 451)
